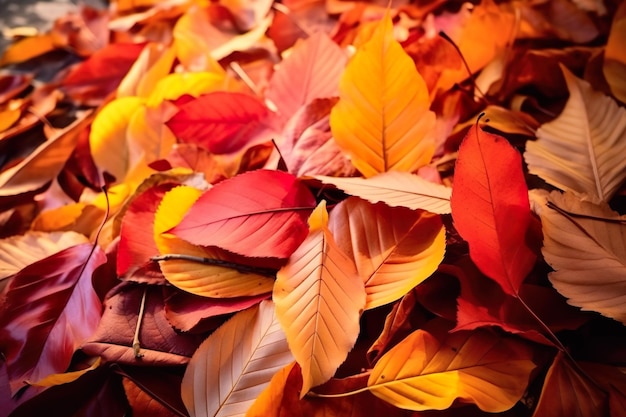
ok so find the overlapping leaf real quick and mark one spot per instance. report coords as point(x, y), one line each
point(55, 296)
point(260, 213)
point(428, 370)
point(192, 276)
point(614, 67)
point(222, 122)
point(382, 119)
point(394, 249)
point(490, 208)
point(587, 253)
point(233, 365)
point(319, 298)
point(396, 189)
point(311, 71)
point(581, 150)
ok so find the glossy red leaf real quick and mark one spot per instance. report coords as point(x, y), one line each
point(160, 343)
point(92, 80)
point(50, 309)
point(221, 122)
point(137, 245)
point(490, 208)
point(259, 213)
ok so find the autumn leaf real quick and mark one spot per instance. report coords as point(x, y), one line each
point(614, 67)
point(44, 163)
point(428, 370)
point(491, 210)
point(566, 392)
point(194, 276)
point(221, 122)
point(311, 71)
point(57, 293)
point(587, 253)
point(394, 249)
point(319, 298)
point(396, 189)
point(308, 147)
point(270, 222)
point(159, 345)
point(240, 357)
point(578, 151)
point(382, 119)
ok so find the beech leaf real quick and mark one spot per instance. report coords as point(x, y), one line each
point(490, 208)
point(312, 70)
point(396, 189)
point(243, 217)
point(56, 294)
point(382, 119)
point(581, 150)
point(235, 363)
point(587, 254)
point(394, 249)
point(319, 298)
point(428, 370)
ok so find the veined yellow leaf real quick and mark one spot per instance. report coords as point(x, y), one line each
point(583, 149)
point(428, 370)
point(108, 133)
point(232, 367)
point(394, 248)
point(396, 189)
point(196, 277)
point(175, 85)
point(319, 298)
point(382, 119)
point(587, 254)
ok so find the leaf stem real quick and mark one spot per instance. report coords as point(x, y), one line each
point(340, 395)
point(566, 213)
point(142, 309)
point(268, 272)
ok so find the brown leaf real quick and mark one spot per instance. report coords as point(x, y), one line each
point(160, 344)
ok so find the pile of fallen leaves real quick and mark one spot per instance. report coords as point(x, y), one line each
point(316, 208)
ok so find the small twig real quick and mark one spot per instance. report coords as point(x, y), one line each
point(217, 262)
point(136, 343)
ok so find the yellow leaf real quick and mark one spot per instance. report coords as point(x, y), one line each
point(394, 248)
point(154, 63)
point(232, 367)
point(319, 298)
point(396, 189)
point(196, 277)
point(582, 150)
point(175, 85)
point(382, 119)
point(28, 48)
point(428, 370)
point(107, 139)
point(615, 55)
point(149, 139)
point(588, 254)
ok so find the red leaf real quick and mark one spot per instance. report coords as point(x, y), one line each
point(160, 344)
point(94, 79)
point(490, 208)
point(222, 122)
point(483, 303)
point(137, 245)
point(259, 213)
point(185, 311)
point(50, 309)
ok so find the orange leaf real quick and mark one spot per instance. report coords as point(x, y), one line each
point(319, 298)
point(382, 119)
